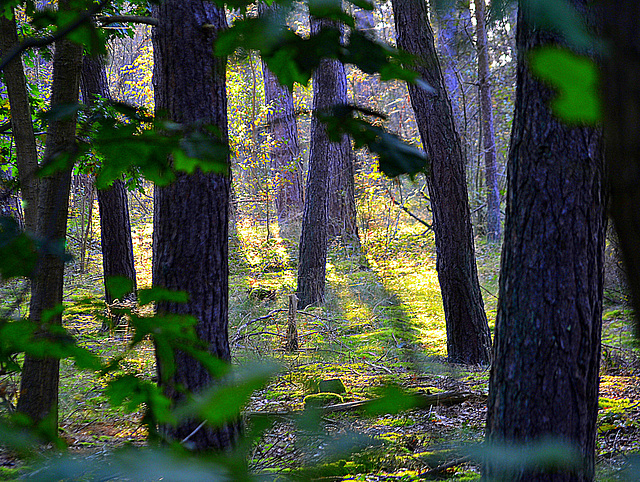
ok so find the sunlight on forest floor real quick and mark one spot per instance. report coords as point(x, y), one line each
point(382, 325)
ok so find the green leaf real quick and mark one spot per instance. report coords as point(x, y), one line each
point(18, 254)
point(224, 402)
point(394, 399)
point(119, 286)
point(61, 112)
point(131, 392)
point(576, 80)
point(396, 157)
point(155, 294)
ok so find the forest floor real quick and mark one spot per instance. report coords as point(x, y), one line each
point(381, 332)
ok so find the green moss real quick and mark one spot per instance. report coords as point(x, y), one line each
point(9, 474)
point(331, 385)
point(322, 399)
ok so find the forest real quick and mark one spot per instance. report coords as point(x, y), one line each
point(374, 240)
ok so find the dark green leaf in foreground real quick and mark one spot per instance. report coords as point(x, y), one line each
point(155, 294)
point(396, 157)
point(224, 402)
point(119, 286)
point(575, 78)
point(18, 254)
point(393, 400)
point(131, 392)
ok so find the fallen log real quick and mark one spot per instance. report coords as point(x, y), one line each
point(421, 400)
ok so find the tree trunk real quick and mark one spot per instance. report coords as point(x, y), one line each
point(621, 94)
point(40, 376)
point(115, 224)
point(544, 378)
point(327, 85)
point(285, 151)
point(448, 34)
point(488, 133)
point(21, 124)
point(190, 239)
point(341, 207)
point(468, 336)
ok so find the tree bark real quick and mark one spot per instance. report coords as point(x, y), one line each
point(544, 378)
point(190, 239)
point(115, 224)
point(448, 34)
point(341, 207)
point(21, 124)
point(285, 152)
point(468, 336)
point(40, 376)
point(621, 101)
point(329, 89)
point(494, 227)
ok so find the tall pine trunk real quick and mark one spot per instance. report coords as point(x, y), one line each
point(323, 202)
point(468, 336)
point(544, 378)
point(190, 236)
point(21, 124)
point(494, 227)
point(621, 95)
point(115, 224)
point(40, 376)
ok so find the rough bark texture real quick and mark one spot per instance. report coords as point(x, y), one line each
point(39, 383)
point(621, 90)
point(544, 378)
point(115, 225)
point(468, 337)
point(190, 239)
point(494, 226)
point(285, 153)
point(21, 124)
point(448, 32)
point(329, 89)
point(332, 91)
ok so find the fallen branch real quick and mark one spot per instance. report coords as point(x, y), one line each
point(422, 401)
point(446, 466)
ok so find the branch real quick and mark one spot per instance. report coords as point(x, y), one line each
point(49, 39)
point(5, 126)
point(107, 20)
point(422, 401)
point(446, 466)
point(406, 210)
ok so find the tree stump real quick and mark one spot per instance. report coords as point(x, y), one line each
point(292, 329)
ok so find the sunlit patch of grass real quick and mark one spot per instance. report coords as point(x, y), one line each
point(142, 238)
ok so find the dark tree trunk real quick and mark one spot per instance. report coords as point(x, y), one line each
point(40, 376)
point(190, 238)
point(468, 336)
point(448, 33)
point(488, 133)
point(285, 153)
point(21, 124)
point(115, 225)
point(544, 378)
point(621, 94)
point(341, 207)
point(329, 89)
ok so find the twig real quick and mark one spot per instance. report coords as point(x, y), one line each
point(406, 210)
point(106, 20)
point(184, 440)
